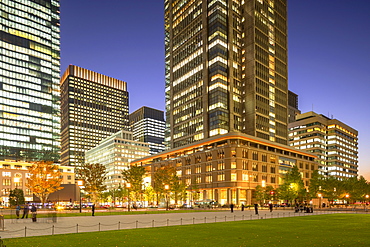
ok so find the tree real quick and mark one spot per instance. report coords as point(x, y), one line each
point(149, 194)
point(165, 175)
point(316, 184)
point(135, 176)
point(45, 178)
point(292, 188)
point(16, 197)
point(93, 176)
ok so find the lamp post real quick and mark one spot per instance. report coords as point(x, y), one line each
point(319, 195)
point(166, 187)
point(128, 186)
point(80, 183)
point(347, 198)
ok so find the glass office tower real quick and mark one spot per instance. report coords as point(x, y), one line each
point(29, 80)
point(147, 125)
point(93, 106)
point(226, 69)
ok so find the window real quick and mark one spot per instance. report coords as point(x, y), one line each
point(245, 153)
point(264, 157)
point(301, 165)
point(233, 153)
point(245, 165)
point(255, 167)
point(273, 180)
point(221, 176)
point(209, 167)
point(273, 170)
point(272, 159)
point(221, 165)
point(255, 156)
point(198, 179)
point(198, 169)
point(188, 171)
point(245, 177)
point(6, 182)
point(233, 176)
point(209, 178)
point(255, 178)
point(7, 174)
point(233, 165)
point(264, 168)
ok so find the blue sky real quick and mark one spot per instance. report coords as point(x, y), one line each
point(328, 49)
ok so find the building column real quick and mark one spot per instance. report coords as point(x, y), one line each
point(237, 197)
point(249, 197)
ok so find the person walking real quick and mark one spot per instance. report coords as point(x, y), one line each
point(242, 206)
point(34, 212)
point(270, 207)
point(232, 208)
point(256, 208)
point(93, 210)
point(26, 209)
point(17, 211)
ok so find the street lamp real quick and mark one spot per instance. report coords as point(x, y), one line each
point(347, 197)
point(166, 187)
point(80, 183)
point(128, 186)
point(319, 195)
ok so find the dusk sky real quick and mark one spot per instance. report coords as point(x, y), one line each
point(329, 54)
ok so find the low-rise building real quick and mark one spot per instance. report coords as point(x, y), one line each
point(116, 152)
point(334, 143)
point(228, 168)
point(14, 174)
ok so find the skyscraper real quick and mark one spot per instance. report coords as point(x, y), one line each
point(334, 143)
point(93, 107)
point(293, 110)
point(147, 125)
point(226, 69)
point(29, 80)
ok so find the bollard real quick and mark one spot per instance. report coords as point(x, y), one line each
point(193, 220)
point(152, 223)
point(205, 219)
point(234, 217)
point(215, 219)
point(265, 216)
point(77, 228)
point(181, 222)
point(243, 217)
point(52, 230)
point(225, 218)
point(119, 225)
point(99, 226)
point(137, 223)
point(25, 231)
point(167, 221)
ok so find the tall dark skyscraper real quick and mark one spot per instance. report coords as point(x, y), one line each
point(226, 69)
point(29, 80)
point(93, 107)
point(147, 125)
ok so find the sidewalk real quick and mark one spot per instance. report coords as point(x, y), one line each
point(45, 226)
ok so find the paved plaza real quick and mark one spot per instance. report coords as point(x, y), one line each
point(14, 228)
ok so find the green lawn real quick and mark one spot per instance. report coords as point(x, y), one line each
point(316, 230)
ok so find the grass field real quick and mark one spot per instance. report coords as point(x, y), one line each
point(317, 230)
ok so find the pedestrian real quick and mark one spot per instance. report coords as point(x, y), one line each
point(17, 211)
point(26, 209)
point(93, 210)
point(232, 208)
point(242, 206)
point(256, 208)
point(34, 212)
point(270, 207)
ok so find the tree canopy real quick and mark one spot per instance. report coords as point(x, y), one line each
point(45, 178)
point(135, 176)
point(93, 176)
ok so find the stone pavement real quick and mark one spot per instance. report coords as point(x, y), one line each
point(62, 225)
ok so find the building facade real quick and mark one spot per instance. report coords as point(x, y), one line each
point(334, 143)
point(147, 125)
point(226, 69)
point(29, 80)
point(116, 152)
point(14, 175)
point(93, 107)
point(228, 168)
point(293, 110)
